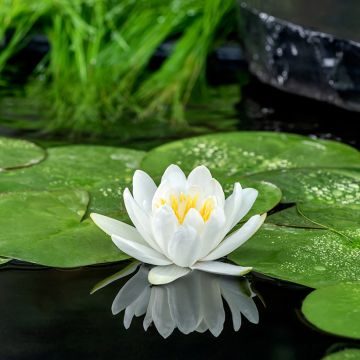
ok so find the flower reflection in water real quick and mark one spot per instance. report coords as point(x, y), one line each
point(192, 303)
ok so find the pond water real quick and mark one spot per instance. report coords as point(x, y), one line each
point(49, 313)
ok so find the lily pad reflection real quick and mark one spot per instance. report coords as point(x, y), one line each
point(192, 303)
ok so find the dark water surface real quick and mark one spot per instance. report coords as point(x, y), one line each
point(49, 314)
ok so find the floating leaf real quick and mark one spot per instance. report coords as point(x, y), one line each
point(342, 219)
point(44, 228)
point(335, 309)
point(291, 217)
point(310, 257)
point(16, 153)
point(347, 354)
point(244, 153)
point(318, 186)
point(101, 170)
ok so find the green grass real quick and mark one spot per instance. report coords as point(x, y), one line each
point(95, 80)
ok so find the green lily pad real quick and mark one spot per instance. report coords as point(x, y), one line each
point(291, 217)
point(244, 153)
point(311, 257)
point(15, 153)
point(45, 228)
point(347, 354)
point(335, 309)
point(318, 186)
point(101, 170)
point(341, 219)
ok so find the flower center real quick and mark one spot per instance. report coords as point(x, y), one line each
point(183, 203)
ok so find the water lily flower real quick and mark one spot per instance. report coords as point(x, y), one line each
point(192, 303)
point(182, 225)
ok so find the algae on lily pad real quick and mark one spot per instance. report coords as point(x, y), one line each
point(15, 153)
point(335, 309)
point(344, 220)
point(103, 171)
point(311, 257)
point(316, 186)
point(45, 228)
point(246, 152)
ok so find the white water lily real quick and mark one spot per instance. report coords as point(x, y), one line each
point(182, 225)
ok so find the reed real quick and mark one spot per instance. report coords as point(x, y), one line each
point(95, 79)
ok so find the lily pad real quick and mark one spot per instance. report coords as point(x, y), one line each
point(244, 153)
point(15, 153)
point(335, 309)
point(347, 354)
point(311, 257)
point(341, 219)
point(318, 186)
point(291, 217)
point(45, 228)
point(101, 170)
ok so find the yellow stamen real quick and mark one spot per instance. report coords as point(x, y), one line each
point(182, 204)
point(207, 208)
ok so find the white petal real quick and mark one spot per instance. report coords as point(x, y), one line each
point(116, 227)
point(234, 240)
point(220, 268)
point(143, 189)
point(194, 220)
point(175, 177)
point(184, 246)
point(160, 275)
point(164, 224)
point(140, 219)
point(162, 192)
point(249, 196)
point(140, 252)
point(215, 189)
point(200, 176)
point(232, 205)
point(212, 233)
